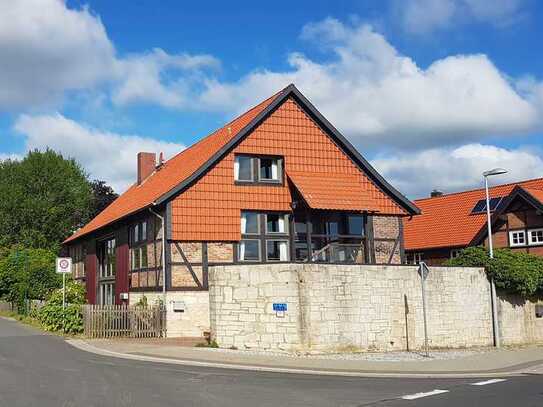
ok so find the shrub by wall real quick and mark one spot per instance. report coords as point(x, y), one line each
point(514, 272)
point(68, 320)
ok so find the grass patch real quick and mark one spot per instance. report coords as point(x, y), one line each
point(212, 344)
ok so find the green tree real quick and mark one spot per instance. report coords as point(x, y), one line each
point(43, 199)
point(512, 271)
point(102, 196)
point(27, 274)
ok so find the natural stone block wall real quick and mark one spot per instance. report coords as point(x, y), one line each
point(332, 307)
point(191, 323)
point(518, 322)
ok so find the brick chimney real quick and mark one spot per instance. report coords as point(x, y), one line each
point(146, 165)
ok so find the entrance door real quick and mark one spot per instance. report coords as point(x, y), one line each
point(106, 277)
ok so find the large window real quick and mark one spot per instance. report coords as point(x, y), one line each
point(258, 169)
point(138, 246)
point(107, 258)
point(264, 237)
point(332, 237)
point(517, 238)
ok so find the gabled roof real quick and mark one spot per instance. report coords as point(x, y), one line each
point(447, 220)
point(532, 196)
point(186, 167)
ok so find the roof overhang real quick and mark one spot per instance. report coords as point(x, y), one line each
point(518, 192)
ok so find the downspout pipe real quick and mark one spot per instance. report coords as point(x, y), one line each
point(163, 254)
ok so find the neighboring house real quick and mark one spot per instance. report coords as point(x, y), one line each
point(452, 222)
point(277, 184)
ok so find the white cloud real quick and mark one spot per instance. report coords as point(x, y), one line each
point(47, 49)
point(423, 16)
point(375, 94)
point(456, 169)
point(144, 78)
point(105, 155)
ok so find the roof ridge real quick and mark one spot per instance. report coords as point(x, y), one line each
point(479, 189)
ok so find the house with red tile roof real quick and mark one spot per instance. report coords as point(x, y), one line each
point(277, 184)
point(452, 222)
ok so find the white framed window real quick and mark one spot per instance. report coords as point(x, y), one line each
point(249, 250)
point(243, 168)
point(517, 238)
point(277, 250)
point(535, 236)
point(455, 253)
point(276, 223)
point(107, 294)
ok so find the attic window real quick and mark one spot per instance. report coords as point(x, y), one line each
point(252, 169)
point(480, 206)
point(243, 168)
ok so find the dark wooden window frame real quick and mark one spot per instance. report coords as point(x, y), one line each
point(263, 236)
point(256, 170)
point(310, 235)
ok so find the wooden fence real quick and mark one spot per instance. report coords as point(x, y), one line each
point(114, 321)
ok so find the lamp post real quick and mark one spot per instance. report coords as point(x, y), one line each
point(486, 174)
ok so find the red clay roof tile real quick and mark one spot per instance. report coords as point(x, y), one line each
point(446, 221)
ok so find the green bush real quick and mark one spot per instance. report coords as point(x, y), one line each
point(27, 273)
point(68, 320)
point(512, 271)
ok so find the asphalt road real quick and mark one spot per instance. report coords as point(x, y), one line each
point(42, 370)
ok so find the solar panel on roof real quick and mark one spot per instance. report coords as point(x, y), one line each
point(480, 206)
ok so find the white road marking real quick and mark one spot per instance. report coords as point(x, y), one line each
point(421, 395)
point(488, 382)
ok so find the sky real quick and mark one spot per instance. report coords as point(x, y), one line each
point(431, 92)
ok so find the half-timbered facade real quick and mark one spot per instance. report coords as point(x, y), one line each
point(277, 184)
point(452, 222)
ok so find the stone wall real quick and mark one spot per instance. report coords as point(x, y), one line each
point(358, 307)
point(518, 321)
point(193, 322)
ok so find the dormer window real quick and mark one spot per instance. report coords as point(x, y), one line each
point(254, 169)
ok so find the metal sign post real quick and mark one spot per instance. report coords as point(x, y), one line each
point(424, 270)
point(64, 266)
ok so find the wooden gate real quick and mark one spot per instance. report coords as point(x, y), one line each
point(115, 321)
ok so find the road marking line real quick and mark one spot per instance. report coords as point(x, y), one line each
point(488, 382)
point(421, 395)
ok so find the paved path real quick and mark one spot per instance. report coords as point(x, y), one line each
point(490, 363)
point(43, 370)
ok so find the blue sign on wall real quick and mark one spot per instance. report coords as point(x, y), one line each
point(279, 307)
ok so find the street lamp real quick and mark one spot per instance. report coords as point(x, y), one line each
point(486, 174)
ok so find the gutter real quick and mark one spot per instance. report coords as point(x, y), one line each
point(163, 252)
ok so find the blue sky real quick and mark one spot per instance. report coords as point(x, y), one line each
point(433, 92)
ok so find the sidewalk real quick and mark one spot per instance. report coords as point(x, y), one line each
point(501, 362)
